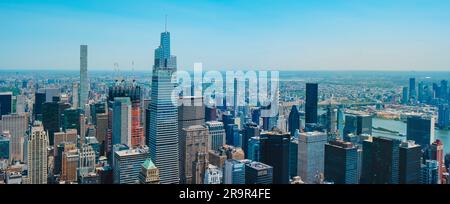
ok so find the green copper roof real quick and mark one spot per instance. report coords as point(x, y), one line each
point(148, 164)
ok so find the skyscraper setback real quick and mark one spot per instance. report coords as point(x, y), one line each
point(84, 86)
point(163, 133)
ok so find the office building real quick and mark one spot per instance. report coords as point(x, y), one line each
point(193, 141)
point(5, 139)
point(409, 163)
point(380, 161)
point(293, 156)
point(311, 155)
point(311, 103)
point(39, 100)
point(341, 162)
point(234, 172)
point(216, 134)
point(258, 173)
point(436, 152)
point(37, 156)
point(412, 88)
point(430, 172)
point(69, 136)
point(127, 165)
point(133, 92)
point(5, 103)
point(163, 123)
point(121, 131)
point(149, 173)
point(421, 130)
point(405, 95)
point(250, 130)
point(16, 125)
point(72, 119)
point(274, 151)
point(444, 116)
point(294, 120)
point(70, 160)
point(331, 122)
point(87, 160)
point(101, 131)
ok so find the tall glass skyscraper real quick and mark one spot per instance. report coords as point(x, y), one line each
point(311, 103)
point(163, 133)
point(84, 86)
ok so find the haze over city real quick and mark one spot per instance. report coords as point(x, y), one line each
point(404, 35)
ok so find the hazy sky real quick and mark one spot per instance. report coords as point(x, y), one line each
point(228, 34)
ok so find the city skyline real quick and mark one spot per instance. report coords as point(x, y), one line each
point(327, 35)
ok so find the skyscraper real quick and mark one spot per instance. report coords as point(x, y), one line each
point(216, 134)
point(405, 96)
point(331, 122)
point(412, 88)
point(133, 92)
point(274, 150)
point(294, 120)
point(39, 100)
point(37, 156)
point(380, 161)
point(163, 123)
point(436, 152)
point(234, 172)
point(87, 160)
point(444, 116)
point(341, 162)
point(5, 103)
point(311, 103)
point(84, 84)
point(430, 172)
point(421, 130)
point(101, 131)
point(258, 173)
point(16, 125)
point(311, 155)
point(149, 173)
point(409, 163)
point(4, 145)
point(122, 121)
point(193, 141)
point(127, 165)
point(293, 156)
point(70, 160)
point(190, 112)
point(75, 99)
point(358, 124)
point(250, 130)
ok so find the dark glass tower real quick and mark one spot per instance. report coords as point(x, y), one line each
point(421, 130)
point(341, 162)
point(311, 103)
point(5, 103)
point(412, 88)
point(294, 120)
point(274, 149)
point(380, 161)
point(409, 163)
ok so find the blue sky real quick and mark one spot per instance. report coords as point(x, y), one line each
point(228, 34)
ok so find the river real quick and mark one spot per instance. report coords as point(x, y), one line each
point(399, 126)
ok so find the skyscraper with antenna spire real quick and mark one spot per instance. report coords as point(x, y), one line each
point(163, 123)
